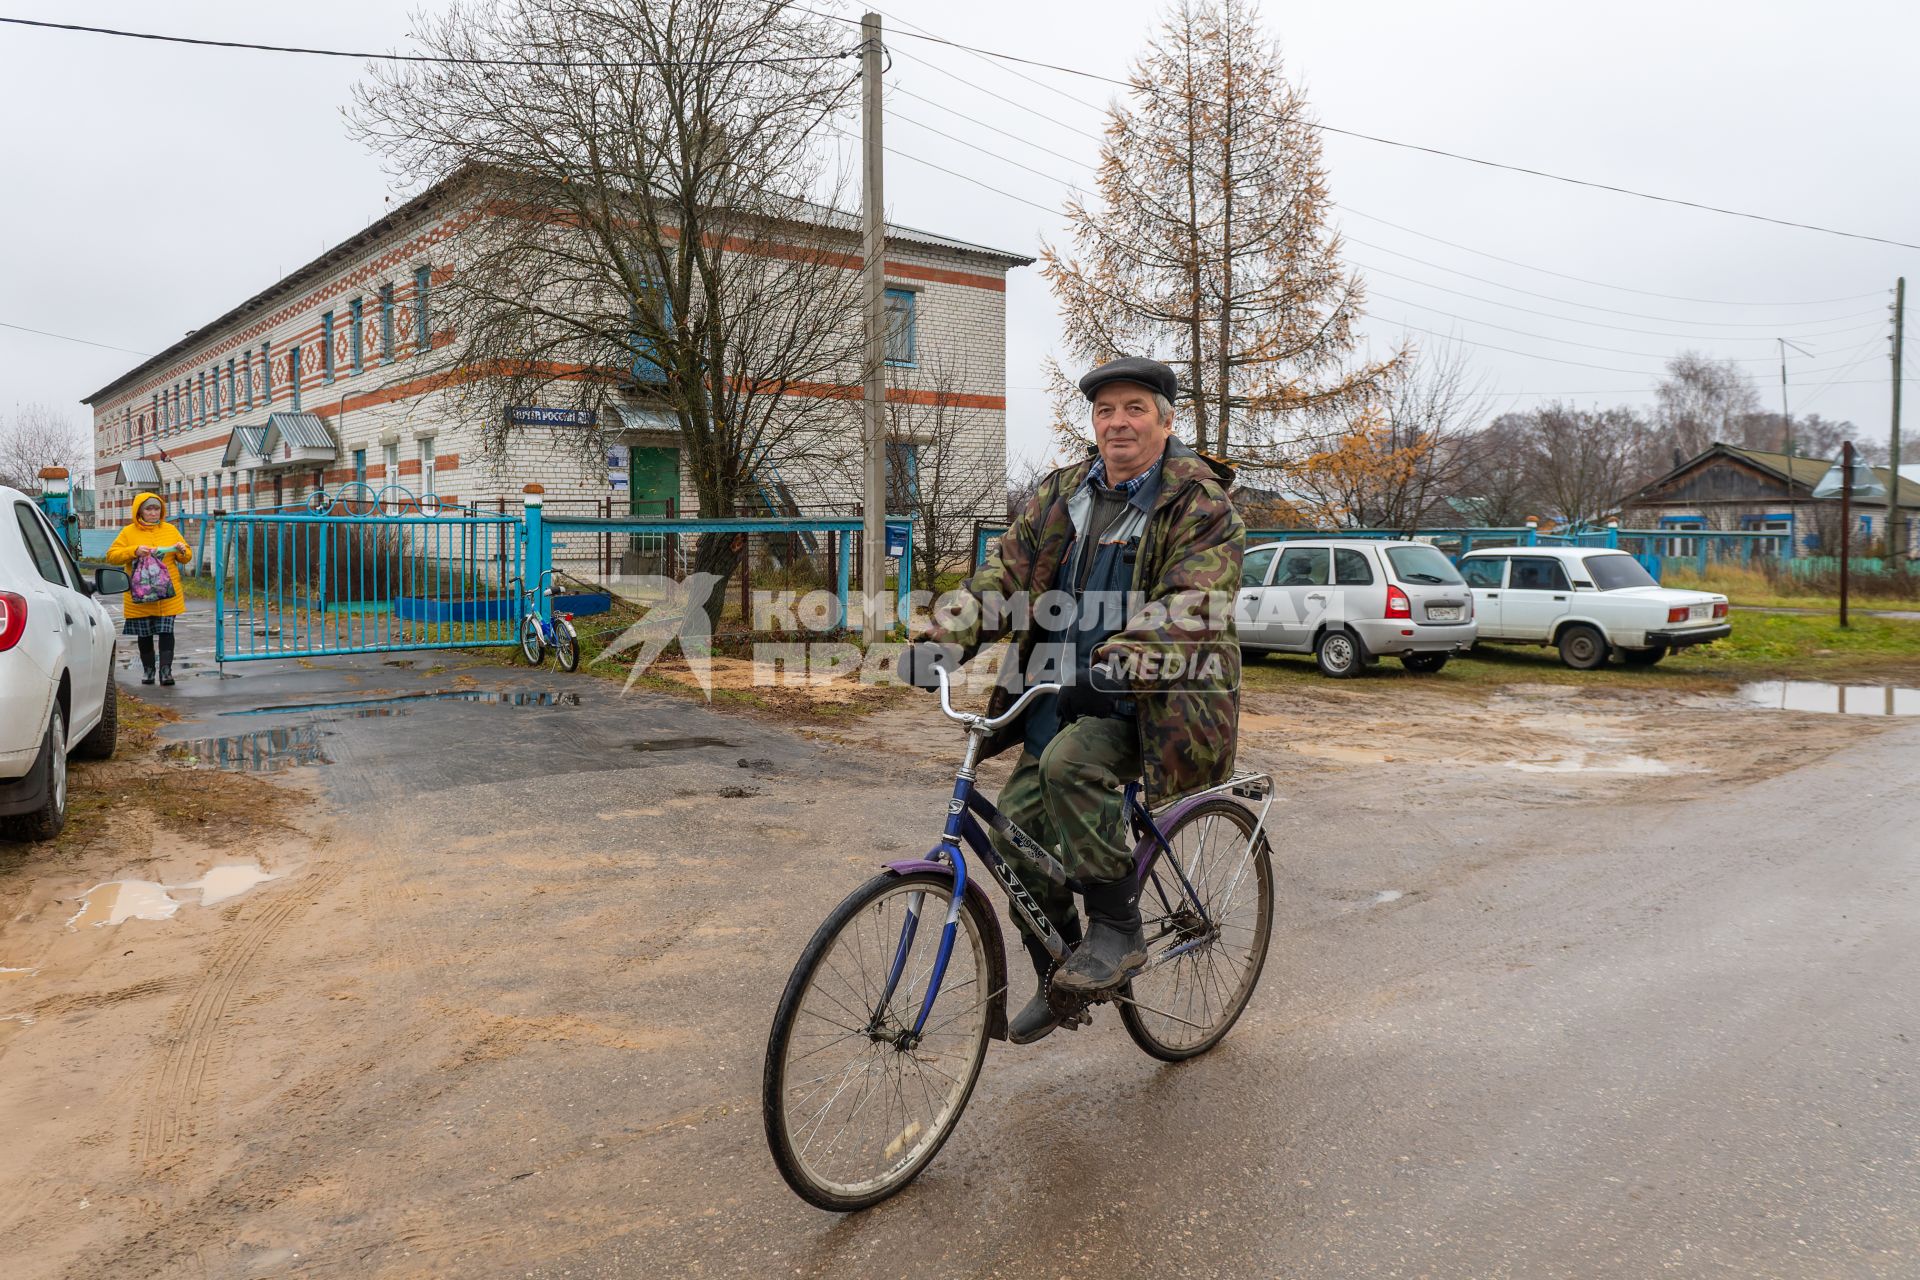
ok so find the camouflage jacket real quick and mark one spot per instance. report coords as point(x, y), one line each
point(1179, 633)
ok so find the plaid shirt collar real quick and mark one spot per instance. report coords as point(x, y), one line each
point(1132, 488)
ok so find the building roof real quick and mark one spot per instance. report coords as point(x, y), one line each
point(1803, 472)
point(300, 430)
point(247, 445)
point(138, 472)
point(839, 219)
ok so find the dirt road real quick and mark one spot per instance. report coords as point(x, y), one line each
point(1567, 982)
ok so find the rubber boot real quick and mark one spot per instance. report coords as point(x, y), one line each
point(146, 675)
point(166, 672)
point(1116, 945)
point(1037, 1018)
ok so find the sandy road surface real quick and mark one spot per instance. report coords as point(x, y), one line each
point(1566, 982)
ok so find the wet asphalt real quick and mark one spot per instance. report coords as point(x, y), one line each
point(1551, 1034)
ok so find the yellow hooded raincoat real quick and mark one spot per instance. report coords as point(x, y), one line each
point(158, 536)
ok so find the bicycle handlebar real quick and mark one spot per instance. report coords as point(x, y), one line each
point(983, 722)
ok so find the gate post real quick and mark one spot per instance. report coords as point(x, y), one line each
point(533, 497)
point(1613, 533)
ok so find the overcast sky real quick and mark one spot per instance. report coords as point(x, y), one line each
point(151, 187)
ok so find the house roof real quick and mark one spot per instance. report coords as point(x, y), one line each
point(417, 206)
point(1801, 471)
point(298, 431)
point(139, 472)
point(248, 443)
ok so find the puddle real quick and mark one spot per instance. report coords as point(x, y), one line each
point(679, 744)
point(118, 901)
point(1581, 762)
point(1832, 699)
point(265, 751)
point(357, 706)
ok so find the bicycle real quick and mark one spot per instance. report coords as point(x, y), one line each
point(870, 976)
point(537, 635)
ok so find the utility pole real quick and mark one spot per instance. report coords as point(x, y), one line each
point(1846, 523)
point(1896, 536)
point(1786, 417)
point(873, 536)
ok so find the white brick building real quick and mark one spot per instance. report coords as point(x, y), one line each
point(336, 374)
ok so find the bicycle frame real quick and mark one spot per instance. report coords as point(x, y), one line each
point(968, 809)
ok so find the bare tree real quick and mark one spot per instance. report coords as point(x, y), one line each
point(946, 465)
point(1585, 460)
point(643, 224)
point(1210, 247)
point(38, 435)
point(1497, 476)
point(1703, 401)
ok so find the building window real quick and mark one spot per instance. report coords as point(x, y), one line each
point(326, 347)
point(900, 306)
point(247, 380)
point(266, 372)
point(426, 465)
point(233, 399)
point(422, 332)
point(293, 375)
point(903, 476)
point(391, 463)
point(355, 313)
point(386, 324)
point(200, 400)
point(360, 465)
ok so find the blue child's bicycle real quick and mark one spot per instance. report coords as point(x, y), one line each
point(884, 1024)
point(537, 635)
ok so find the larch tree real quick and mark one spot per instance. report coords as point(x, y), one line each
point(1209, 247)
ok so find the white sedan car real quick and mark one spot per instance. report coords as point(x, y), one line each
point(57, 690)
point(1590, 603)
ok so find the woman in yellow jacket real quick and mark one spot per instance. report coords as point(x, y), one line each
point(150, 535)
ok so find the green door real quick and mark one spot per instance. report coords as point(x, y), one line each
point(655, 485)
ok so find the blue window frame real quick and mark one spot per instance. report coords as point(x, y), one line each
point(646, 349)
point(200, 409)
point(423, 332)
point(326, 347)
point(293, 374)
point(247, 379)
point(386, 324)
point(901, 306)
point(356, 313)
point(233, 399)
point(903, 475)
point(360, 465)
point(266, 372)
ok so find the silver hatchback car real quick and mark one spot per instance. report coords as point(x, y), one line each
point(1352, 601)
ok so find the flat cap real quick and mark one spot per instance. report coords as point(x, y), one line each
point(1148, 373)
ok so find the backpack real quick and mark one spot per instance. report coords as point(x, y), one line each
point(151, 581)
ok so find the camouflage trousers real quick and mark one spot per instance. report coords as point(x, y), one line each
point(1070, 800)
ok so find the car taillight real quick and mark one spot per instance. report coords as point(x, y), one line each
point(13, 619)
point(1720, 610)
point(1398, 606)
point(1677, 615)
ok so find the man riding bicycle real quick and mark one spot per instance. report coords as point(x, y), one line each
point(1142, 542)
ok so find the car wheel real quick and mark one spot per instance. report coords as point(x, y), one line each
point(1337, 654)
point(99, 744)
point(45, 822)
point(1423, 663)
point(1582, 647)
point(1643, 657)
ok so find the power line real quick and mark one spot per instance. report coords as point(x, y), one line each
point(425, 57)
point(85, 342)
point(1602, 284)
point(950, 172)
point(1414, 146)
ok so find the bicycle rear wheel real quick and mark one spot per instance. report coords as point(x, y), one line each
point(1205, 949)
point(530, 640)
point(566, 645)
point(854, 1106)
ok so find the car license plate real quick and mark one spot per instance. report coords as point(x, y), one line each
point(1699, 611)
point(1443, 613)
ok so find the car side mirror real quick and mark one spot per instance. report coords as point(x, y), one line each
point(110, 581)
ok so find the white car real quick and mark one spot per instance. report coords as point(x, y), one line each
point(1590, 603)
point(57, 689)
point(1352, 601)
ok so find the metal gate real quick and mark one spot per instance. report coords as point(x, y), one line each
point(365, 575)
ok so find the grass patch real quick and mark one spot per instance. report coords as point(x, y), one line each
point(1756, 588)
point(1762, 646)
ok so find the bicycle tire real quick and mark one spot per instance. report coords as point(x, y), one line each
point(566, 645)
point(1190, 986)
point(874, 935)
point(530, 640)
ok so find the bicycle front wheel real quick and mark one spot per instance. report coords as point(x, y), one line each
point(1208, 924)
point(566, 645)
point(530, 640)
point(855, 1105)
